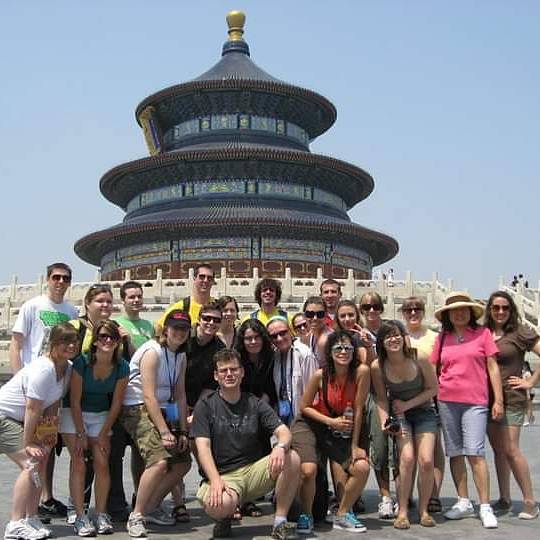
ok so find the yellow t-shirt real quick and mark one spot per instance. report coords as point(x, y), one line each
point(425, 344)
point(264, 317)
point(194, 310)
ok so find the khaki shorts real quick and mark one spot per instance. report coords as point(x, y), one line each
point(250, 481)
point(146, 437)
point(11, 435)
point(511, 417)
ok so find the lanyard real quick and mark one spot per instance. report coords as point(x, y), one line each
point(172, 379)
point(283, 382)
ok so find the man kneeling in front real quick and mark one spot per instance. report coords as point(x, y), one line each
point(228, 427)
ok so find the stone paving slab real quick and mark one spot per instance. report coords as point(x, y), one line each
point(200, 527)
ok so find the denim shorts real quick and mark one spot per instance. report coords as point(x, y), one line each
point(422, 420)
point(464, 428)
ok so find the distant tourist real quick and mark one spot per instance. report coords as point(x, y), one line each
point(390, 278)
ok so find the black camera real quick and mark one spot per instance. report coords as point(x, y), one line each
point(392, 425)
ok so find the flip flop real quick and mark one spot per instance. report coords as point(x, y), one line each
point(181, 514)
point(250, 509)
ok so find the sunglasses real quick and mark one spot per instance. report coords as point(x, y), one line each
point(301, 326)
point(61, 277)
point(412, 310)
point(281, 333)
point(339, 347)
point(205, 277)
point(393, 337)
point(210, 318)
point(106, 338)
point(369, 307)
point(504, 309)
point(312, 314)
point(104, 286)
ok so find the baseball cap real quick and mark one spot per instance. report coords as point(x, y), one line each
point(178, 318)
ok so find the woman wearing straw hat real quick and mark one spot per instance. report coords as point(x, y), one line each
point(465, 358)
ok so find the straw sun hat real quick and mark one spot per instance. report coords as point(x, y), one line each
point(457, 299)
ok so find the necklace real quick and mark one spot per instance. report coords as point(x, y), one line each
point(460, 339)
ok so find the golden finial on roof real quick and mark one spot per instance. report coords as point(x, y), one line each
point(236, 21)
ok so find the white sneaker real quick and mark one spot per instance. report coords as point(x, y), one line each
point(103, 524)
point(489, 521)
point(386, 508)
point(20, 530)
point(71, 516)
point(136, 526)
point(83, 526)
point(462, 509)
point(36, 524)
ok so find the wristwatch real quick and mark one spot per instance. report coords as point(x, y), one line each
point(283, 445)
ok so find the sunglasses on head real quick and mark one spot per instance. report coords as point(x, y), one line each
point(210, 318)
point(369, 307)
point(61, 277)
point(504, 309)
point(281, 333)
point(312, 314)
point(412, 309)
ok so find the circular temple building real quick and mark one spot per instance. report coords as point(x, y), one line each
point(231, 181)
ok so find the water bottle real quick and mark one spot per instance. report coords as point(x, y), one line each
point(32, 465)
point(403, 424)
point(348, 414)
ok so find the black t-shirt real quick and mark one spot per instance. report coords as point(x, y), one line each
point(234, 429)
point(259, 379)
point(200, 367)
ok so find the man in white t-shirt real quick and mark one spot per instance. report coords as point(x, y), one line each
point(37, 317)
point(30, 337)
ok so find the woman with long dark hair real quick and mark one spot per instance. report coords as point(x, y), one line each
point(405, 386)
point(465, 360)
point(31, 395)
point(98, 385)
point(330, 427)
point(513, 339)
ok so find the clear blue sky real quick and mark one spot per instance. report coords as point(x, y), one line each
point(438, 101)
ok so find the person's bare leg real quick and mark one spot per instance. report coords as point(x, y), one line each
point(354, 486)
point(502, 467)
point(287, 483)
point(459, 475)
point(76, 475)
point(47, 490)
point(102, 478)
point(439, 466)
point(481, 477)
point(406, 468)
point(308, 486)
point(425, 445)
point(25, 494)
point(518, 462)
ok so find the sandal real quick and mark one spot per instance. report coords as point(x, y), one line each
point(402, 523)
point(237, 514)
point(250, 509)
point(181, 514)
point(427, 521)
point(434, 505)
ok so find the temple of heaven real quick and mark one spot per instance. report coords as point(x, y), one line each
point(231, 181)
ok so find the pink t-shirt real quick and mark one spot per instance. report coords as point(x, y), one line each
point(463, 370)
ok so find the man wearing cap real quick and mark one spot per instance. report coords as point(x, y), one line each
point(155, 416)
point(294, 364)
point(200, 295)
point(228, 426)
point(201, 347)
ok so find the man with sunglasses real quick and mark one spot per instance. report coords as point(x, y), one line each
point(200, 295)
point(229, 426)
point(200, 349)
point(30, 339)
point(294, 363)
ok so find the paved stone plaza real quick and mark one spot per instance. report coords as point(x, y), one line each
point(201, 527)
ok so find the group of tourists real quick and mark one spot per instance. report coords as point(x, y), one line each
point(267, 404)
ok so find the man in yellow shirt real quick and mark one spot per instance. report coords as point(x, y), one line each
point(200, 295)
point(267, 295)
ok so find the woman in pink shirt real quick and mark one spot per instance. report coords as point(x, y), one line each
point(465, 360)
